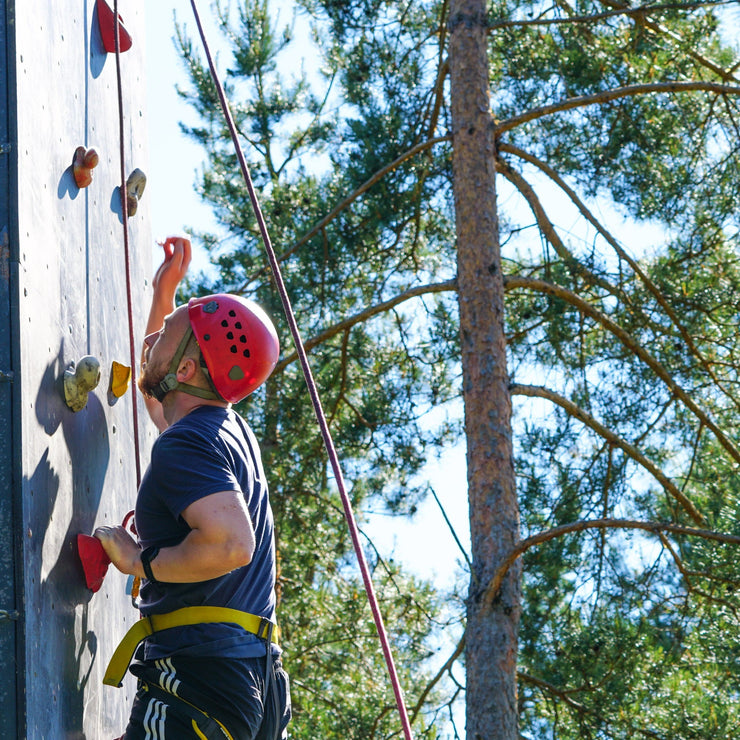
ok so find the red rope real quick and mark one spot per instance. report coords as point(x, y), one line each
point(313, 392)
point(127, 255)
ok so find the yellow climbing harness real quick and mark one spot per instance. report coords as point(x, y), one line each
point(188, 616)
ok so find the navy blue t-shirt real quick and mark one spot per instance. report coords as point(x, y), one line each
point(209, 450)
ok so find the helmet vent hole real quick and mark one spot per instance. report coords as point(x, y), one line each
point(246, 353)
point(238, 325)
point(243, 339)
point(234, 349)
point(207, 337)
point(232, 313)
point(224, 323)
point(229, 334)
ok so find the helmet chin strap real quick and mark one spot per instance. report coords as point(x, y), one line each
point(171, 383)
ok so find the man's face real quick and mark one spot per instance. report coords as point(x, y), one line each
point(160, 348)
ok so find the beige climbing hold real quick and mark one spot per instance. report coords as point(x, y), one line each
point(134, 190)
point(79, 381)
point(120, 378)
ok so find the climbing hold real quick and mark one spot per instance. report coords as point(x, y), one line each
point(107, 23)
point(83, 162)
point(134, 190)
point(93, 557)
point(120, 377)
point(79, 381)
point(94, 560)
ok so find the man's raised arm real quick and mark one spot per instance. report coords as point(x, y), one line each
point(177, 254)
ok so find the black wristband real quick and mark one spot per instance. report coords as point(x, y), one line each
point(147, 556)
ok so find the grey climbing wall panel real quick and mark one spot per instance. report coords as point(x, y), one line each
point(63, 265)
point(8, 461)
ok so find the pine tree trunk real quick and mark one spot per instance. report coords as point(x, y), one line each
point(491, 643)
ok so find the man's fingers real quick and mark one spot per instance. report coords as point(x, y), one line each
point(111, 534)
point(168, 249)
point(177, 254)
point(103, 533)
point(186, 254)
point(178, 250)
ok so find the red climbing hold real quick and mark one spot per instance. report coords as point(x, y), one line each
point(94, 560)
point(107, 23)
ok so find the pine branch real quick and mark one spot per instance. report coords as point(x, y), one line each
point(548, 230)
point(451, 528)
point(561, 694)
point(443, 71)
point(615, 440)
point(457, 652)
point(642, 19)
point(607, 96)
point(637, 11)
point(351, 198)
point(542, 286)
point(580, 526)
point(368, 313)
point(622, 254)
point(688, 575)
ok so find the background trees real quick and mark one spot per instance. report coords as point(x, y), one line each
point(613, 134)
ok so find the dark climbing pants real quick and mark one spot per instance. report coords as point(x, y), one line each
point(216, 699)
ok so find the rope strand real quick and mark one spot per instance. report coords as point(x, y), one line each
point(127, 256)
point(312, 389)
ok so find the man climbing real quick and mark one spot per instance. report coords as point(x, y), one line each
point(209, 666)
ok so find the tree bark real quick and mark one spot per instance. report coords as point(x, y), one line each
point(492, 628)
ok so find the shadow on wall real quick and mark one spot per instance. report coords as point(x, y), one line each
point(59, 599)
point(98, 54)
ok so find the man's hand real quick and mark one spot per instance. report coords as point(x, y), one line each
point(177, 254)
point(122, 549)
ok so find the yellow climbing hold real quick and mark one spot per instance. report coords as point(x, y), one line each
point(120, 378)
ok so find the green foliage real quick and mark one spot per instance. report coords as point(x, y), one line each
point(628, 354)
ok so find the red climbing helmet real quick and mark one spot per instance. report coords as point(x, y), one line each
point(238, 342)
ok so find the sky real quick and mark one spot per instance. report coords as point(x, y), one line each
point(173, 158)
point(424, 543)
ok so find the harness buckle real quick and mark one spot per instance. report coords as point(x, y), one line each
point(265, 629)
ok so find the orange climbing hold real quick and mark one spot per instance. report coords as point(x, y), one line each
point(107, 23)
point(83, 162)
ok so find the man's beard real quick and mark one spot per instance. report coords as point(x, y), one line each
point(150, 378)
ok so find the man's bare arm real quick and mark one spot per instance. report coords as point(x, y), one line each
point(177, 255)
point(221, 539)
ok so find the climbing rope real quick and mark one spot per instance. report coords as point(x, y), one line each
point(310, 383)
point(126, 248)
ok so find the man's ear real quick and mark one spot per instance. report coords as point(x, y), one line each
point(187, 369)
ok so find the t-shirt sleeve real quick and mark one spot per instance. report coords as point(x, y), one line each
point(190, 467)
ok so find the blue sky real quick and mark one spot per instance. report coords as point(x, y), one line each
point(173, 159)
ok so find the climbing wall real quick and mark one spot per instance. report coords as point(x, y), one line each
point(7, 534)
point(64, 270)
